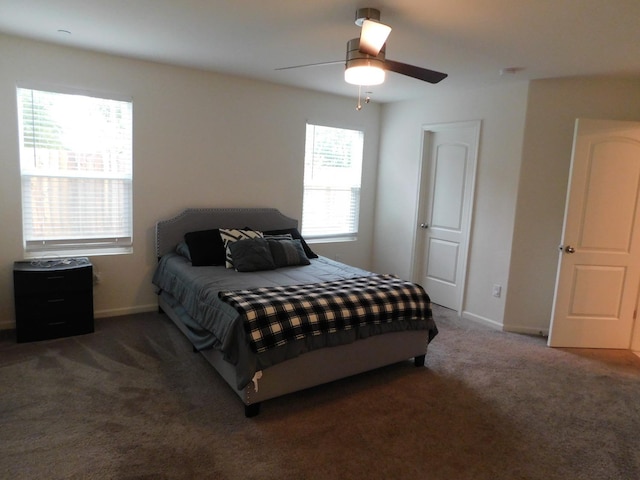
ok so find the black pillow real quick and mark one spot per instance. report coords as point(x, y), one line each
point(205, 247)
point(295, 234)
point(251, 254)
point(287, 253)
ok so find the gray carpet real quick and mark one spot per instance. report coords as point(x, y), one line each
point(131, 401)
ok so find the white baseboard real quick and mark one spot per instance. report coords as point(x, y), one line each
point(485, 321)
point(118, 312)
point(527, 330)
point(112, 312)
point(7, 325)
point(506, 328)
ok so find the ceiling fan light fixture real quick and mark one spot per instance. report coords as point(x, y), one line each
point(373, 36)
point(364, 75)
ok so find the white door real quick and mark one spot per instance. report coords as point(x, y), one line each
point(599, 266)
point(449, 157)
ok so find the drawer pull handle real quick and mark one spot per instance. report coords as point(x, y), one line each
point(56, 277)
point(56, 323)
point(55, 300)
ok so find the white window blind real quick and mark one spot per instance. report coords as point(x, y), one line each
point(76, 169)
point(332, 178)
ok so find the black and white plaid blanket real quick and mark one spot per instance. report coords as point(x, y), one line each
point(276, 315)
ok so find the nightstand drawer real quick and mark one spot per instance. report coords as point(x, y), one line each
point(54, 307)
point(27, 282)
point(30, 332)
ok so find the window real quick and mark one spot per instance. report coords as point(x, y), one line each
point(76, 170)
point(332, 177)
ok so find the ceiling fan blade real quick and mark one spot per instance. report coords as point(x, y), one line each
point(423, 74)
point(373, 36)
point(320, 64)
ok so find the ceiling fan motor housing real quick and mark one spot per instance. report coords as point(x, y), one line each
point(356, 57)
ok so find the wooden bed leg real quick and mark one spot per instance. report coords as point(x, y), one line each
point(252, 410)
point(419, 360)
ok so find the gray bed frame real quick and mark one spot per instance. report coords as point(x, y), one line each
point(310, 369)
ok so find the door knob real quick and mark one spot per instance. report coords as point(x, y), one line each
point(424, 225)
point(569, 249)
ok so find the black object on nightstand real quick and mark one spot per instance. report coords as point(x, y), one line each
point(54, 298)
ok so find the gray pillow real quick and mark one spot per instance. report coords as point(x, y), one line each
point(287, 253)
point(250, 255)
point(231, 235)
point(296, 235)
point(183, 249)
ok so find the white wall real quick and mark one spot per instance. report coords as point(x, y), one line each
point(200, 139)
point(552, 109)
point(502, 110)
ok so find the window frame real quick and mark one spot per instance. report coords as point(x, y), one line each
point(344, 236)
point(70, 245)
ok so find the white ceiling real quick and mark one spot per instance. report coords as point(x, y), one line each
point(471, 40)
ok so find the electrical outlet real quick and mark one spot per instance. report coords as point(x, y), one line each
point(497, 290)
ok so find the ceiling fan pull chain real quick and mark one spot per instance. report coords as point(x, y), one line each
point(359, 106)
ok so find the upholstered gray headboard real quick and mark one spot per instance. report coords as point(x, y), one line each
point(171, 231)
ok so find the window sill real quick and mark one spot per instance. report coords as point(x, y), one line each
point(346, 238)
point(80, 252)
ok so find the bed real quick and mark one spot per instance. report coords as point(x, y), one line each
point(295, 340)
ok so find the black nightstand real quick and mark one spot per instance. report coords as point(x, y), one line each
point(54, 298)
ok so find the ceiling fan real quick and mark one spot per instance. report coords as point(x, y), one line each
point(366, 61)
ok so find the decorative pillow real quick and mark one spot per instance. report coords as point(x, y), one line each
point(287, 253)
point(251, 254)
point(285, 236)
point(230, 235)
point(182, 249)
point(296, 235)
point(205, 247)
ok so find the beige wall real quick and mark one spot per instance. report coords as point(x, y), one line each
point(552, 107)
point(502, 111)
point(200, 139)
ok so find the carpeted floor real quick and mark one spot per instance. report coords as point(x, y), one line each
point(131, 401)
